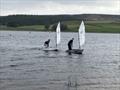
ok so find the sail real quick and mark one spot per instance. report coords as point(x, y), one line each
point(81, 34)
point(58, 38)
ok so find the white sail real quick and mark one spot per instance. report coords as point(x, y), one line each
point(81, 34)
point(58, 37)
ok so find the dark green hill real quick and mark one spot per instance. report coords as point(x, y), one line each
point(23, 20)
point(93, 22)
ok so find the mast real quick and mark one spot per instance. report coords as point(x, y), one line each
point(79, 37)
point(56, 36)
point(79, 40)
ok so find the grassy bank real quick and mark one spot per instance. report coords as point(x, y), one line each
point(96, 26)
point(91, 26)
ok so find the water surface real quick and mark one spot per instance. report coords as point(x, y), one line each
point(23, 66)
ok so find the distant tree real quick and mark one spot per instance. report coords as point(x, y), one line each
point(12, 24)
point(64, 27)
point(54, 27)
point(47, 26)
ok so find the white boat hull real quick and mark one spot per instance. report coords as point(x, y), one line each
point(50, 49)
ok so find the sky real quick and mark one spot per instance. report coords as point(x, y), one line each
point(55, 7)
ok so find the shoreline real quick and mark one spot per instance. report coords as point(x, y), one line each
point(54, 31)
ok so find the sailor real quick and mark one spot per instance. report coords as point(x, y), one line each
point(70, 44)
point(46, 43)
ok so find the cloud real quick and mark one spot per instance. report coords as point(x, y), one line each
point(42, 7)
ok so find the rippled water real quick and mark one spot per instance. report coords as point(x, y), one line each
point(23, 66)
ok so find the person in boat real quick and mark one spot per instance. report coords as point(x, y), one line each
point(70, 44)
point(46, 43)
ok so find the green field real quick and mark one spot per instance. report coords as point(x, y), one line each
point(91, 26)
point(33, 27)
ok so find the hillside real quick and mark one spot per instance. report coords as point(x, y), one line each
point(22, 20)
point(93, 22)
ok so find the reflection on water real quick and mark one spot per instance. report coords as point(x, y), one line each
point(24, 66)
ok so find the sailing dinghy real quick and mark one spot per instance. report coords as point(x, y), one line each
point(58, 39)
point(81, 40)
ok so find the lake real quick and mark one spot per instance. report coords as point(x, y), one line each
point(23, 66)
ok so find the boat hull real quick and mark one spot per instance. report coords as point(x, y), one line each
point(51, 49)
point(75, 51)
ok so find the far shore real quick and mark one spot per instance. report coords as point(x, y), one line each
point(12, 30)
point(91, 27)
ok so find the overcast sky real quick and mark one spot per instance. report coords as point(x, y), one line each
point(47, 7)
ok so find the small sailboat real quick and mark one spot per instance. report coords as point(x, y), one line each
point(58, 35)
point(81, 40)
point(58, 39)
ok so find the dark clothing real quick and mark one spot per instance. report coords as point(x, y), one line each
point(46, 43)
point(70, 44)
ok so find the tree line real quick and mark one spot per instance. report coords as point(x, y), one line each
point(23, 20)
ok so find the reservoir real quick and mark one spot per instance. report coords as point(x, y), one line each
point(24, 66)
